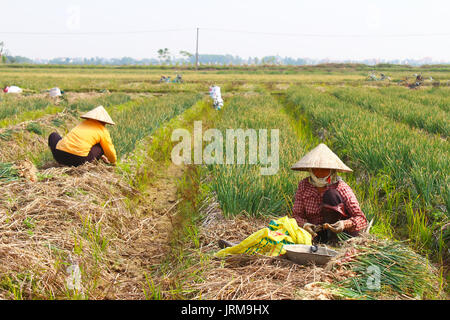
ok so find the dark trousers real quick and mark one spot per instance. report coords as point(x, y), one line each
point(69, 159)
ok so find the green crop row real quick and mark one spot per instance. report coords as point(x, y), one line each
point(416, 162)
point(12, 105)
point(140, 118)
point(432, 97)
point(105, 100)
point(14, 110)
point(428, 117)
point(242, 188)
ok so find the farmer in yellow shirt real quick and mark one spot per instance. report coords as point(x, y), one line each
point(88, 141)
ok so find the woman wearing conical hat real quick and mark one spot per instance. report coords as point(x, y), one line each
point(324, 204)
point(88, 141)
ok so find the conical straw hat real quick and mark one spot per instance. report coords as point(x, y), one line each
point(321, 157)
point(99, 114)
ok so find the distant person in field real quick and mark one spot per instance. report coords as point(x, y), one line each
point(12, 89)
point(216, 95)
point(88, 141)
point(324, 204)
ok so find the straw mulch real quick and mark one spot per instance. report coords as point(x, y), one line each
point(243, 277)
point(78, 216)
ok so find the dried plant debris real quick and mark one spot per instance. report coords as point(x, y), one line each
point(81, 215)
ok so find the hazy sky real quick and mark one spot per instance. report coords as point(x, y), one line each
point(359, 28)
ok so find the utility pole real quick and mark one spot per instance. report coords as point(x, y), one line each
point(196, 52)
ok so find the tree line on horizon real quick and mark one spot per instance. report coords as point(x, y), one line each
point(185, 58)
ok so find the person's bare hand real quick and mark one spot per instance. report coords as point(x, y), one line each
point(105, 159)
point(337, 227)
point(312, 229)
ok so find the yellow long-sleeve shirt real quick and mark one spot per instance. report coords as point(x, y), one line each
point(80, 140)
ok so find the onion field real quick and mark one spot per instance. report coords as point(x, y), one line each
point(148, 228)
